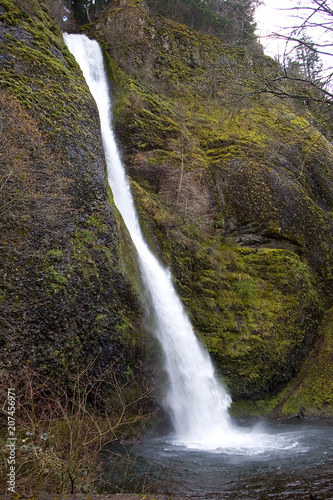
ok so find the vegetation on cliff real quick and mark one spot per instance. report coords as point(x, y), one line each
point(234, 190)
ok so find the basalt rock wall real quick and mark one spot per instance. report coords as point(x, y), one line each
point(67, 303)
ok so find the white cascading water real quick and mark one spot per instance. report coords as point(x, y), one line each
point(198, 403)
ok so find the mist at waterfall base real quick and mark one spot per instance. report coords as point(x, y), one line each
point(300, 465)
point(196, 401)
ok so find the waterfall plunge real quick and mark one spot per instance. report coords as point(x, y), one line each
point(197, 402)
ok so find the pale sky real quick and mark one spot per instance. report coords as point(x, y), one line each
point(274, 16)
point(271, 17)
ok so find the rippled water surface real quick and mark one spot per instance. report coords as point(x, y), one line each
point(273, 460)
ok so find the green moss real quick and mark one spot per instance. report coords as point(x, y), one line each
point(248, 408)
point(207, 172)
point(96, 221)
point(56, 255)
point(13, 14)
point(312, 390)
point(245, 289)
point(39, 72)
point(55, 278)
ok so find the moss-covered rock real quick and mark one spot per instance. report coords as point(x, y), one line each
point(311, 392)
point(66, 295)
point(234, 194)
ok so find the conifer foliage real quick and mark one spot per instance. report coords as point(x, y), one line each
point(231, 20)
point(307, 58)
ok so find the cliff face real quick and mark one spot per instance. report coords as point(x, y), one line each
point(234, 193)
point(66, 299)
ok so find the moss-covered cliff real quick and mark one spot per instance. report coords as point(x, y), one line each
point(66, 298)
point(234, 193)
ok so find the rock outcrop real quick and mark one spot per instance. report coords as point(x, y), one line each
point(66, 298)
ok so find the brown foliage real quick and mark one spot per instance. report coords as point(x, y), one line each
point(60, 431)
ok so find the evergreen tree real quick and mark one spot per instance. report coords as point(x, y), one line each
point(307, 58)
point(240, 16)
point(231, 20)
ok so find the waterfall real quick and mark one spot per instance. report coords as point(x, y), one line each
point(197, 402)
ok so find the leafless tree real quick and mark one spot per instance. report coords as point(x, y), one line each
point(307, 41)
